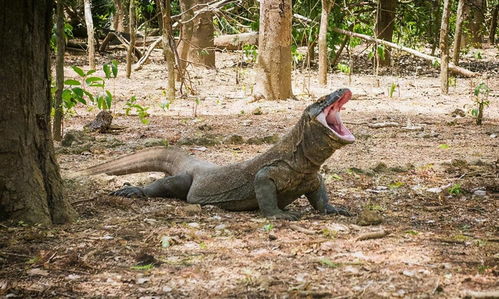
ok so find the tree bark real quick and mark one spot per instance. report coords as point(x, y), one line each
point(436, 25)
point(476, 22)
point(493, 25)
point(30, 183)
point(323, 61)
point(118, 24)
point(59, 71)
point(385, 19)
point(452, 67)
point(273, 73)
point(236, 41)
point(90, 33)
point(168, 46)
point(185, 35)
point(131, 46)
point(444, 49)
point(202, 48)
point(458, 33)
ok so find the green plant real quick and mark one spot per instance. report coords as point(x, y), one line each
point(344, 68)
point(391, 90)
point(68, 33)
point(141, 111)
point(268, 227)
point(143, 267)
point(250, 53)
point(481, 99)
point(455, 189)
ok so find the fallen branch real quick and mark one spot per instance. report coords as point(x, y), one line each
point(236, 41)
point(144, 58)
point(433, 59)
point(373, 235)
point(482, 294)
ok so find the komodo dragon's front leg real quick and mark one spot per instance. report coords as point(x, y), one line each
point(266, 195)
point(320, 200)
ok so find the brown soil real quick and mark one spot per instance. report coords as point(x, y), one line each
point(435, 189)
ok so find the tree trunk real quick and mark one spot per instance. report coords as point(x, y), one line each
point(202, 48)
point(30, 183)
point(90, 33)
point(476, 22)
point(444, 49)
point(323, 62)
point(493, 25)
point(168, 46)
point(458, 33)
point(118, 24)
point(436, 22)
point(385, 19)
point(185, 35)
point(273, 73)
point(59, 72)
point(131, 26)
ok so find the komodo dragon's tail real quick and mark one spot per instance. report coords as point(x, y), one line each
point(168, 160)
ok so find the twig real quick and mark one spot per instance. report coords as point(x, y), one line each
point(373, 235)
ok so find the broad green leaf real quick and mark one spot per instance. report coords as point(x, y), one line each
point(109, 99)
point(443, 146)
point(91, 72)
point(107, 70)
point(78, 70)
point(72, 82)
point(89, 95)
point(67, 94)
point(78, 91)
point(115, 68)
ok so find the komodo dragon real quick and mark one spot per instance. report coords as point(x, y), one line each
point(269, 181)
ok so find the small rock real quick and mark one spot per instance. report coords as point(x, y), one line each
point(142, 280)
point(167, 289)
point(38, 271)
point(73, 277)
point(233, 139)
point(272, 237)
point(493, 135)
point(458, 113)
point(480, 193)
point(220, 227)
point(369, 217)
point(191, 209)
point(194, 225)
point(257, 111)
point(166, 241)
point(247, 123)
point(150, 221)
point(351, 269)
point(101, 123)
point(408, 273)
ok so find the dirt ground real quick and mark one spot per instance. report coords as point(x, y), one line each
point(420, 172)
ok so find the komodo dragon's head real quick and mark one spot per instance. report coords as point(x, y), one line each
point(326, 111)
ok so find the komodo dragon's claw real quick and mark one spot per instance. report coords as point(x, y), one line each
point(330, 209)
point(129, 191)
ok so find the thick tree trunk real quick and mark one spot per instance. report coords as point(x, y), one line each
point(493, 25)
point(59, 72)
point(131, 26)
point(185, 35)
point(444, 48)
point(118, 18)
point(30, 183)
point(168, 46)
point(273, 73)
point(90, 33)
point(385, 19)
point(458, 33)
point(202, 48)
point(323, 62)
point(476, 22)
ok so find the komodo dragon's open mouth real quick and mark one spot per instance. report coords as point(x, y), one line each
point(330, 118)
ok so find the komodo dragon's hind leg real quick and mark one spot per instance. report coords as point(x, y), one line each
point(171, 186)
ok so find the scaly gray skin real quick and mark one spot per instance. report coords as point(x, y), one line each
point(269, 181)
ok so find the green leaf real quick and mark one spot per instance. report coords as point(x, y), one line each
point(107, 70)
point(91, 72)
point(109, 99)
point(443, 146)
point(78, 70)
point(143, 267)
point(72, 82)
point(327, 262)
point(90, 80)
point(78, 91)
point(268, 227)
point(67, 94)
point(115, 68)
point(89, 95)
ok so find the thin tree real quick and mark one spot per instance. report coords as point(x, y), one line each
point(273, 71)
point(444, 48)
point(323, 61)
point(385, 21)
point(168, 44)
point(459, 31)
point(493, 24)
point(87, 4)
point(59, 71)
point(118, 16)
point(131, 46)
point(185, 36)
point(30, 183)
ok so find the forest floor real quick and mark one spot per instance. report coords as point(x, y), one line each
point(429, 180)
